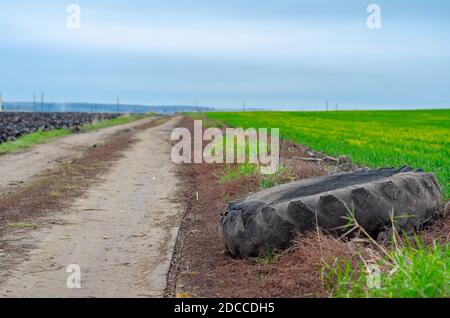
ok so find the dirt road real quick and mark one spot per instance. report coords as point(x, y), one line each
point(121, 233)
point(18, 168)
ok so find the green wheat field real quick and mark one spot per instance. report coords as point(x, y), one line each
point(417, 138)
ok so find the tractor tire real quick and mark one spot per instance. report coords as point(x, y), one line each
point(271, 218)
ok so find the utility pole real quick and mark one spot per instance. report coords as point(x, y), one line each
point(327, 106)
point(42, 101)
point(244, 106)
point(337, 106)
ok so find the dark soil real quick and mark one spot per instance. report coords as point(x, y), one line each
point(14, 125)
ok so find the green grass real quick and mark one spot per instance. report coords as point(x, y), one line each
point(122, 120)
point(268, 258)
point(36, 138)
point(41, 137)
point(272, 180)
point(236, 172)
point(22, 226)
point(232, 173)
point(409, 269)
point(407, 272)
point(418, 138)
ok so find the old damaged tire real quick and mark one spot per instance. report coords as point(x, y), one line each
point(270, 218)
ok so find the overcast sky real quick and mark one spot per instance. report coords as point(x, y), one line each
point(280, 54)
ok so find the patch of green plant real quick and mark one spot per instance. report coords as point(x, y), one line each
point(121, 120)
point(20, 225)
point(237, 171)
point(267, 258)
point(408, 272)
point(32, 139)
point(55, 194)
point(272, 180)
point(268, 182)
